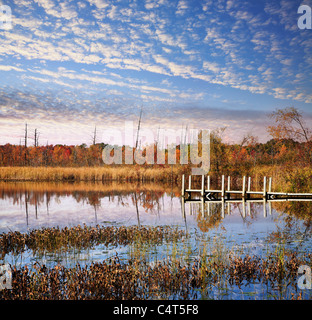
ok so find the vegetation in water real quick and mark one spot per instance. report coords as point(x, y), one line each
point(172, 278)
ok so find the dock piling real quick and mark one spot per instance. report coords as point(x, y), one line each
point(244, 187)
point(203, 186)
point(249, 184)
point(264, 187)
point(270, 184)
point(210, 194)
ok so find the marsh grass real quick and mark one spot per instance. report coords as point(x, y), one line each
point(108, 187)
point(285, 178)
point(129, 173)
point(166, 279)
point(163, 263)
point(83, 237)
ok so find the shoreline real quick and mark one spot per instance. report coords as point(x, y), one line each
point(285, 179)
point(90, 174)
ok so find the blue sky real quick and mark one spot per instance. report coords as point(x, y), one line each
point(66, 66)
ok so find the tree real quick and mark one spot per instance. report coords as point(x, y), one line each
point(289, 125)
point(94, 137)
point(25, 144)
point(217, 149)
point(36, 138)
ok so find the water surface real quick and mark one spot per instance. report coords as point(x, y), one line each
point(245, 228)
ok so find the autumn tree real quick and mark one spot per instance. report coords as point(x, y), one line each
point(217, 149)
point(289, 124)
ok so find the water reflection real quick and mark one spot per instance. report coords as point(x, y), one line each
point(254, 227)
point(291, 219)
point(45, 204)
point(41, 203)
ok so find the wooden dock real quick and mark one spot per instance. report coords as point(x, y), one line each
point(225, 193)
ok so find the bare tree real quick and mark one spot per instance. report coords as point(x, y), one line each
point(248, 139)
point(25, 143)
point(25, 135)
point(94, 136)
point(36, 138)
point(138, 132)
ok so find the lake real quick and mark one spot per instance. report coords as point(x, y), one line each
point(242, 228)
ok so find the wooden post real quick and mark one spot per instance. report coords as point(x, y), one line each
point(229, 184)
point(183, 181)
point(190, 183)
point(270, 184)
point(208, 183)
point(222, 187)
point(203, 186)
point(183, 209)
point(264, 187)
point(249, 187)
point(249, 184)
point(249, 209)
point(244, 187)
point(203, 207)
point(222, 208)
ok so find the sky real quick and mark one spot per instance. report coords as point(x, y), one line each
point(68, 66)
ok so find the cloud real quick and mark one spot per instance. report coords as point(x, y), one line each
point(59, 10)
point(182, 7)
point(100, 4)
point(100, 80)
point(225, 44)
point(211, 66)
point(10, 68)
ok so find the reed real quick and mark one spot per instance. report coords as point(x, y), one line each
point(285, 178)
point(114, 279)
point(181, 275)
point(82, 237)
point(127, 173)
point(107, 187)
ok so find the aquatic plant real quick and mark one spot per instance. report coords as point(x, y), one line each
point(138, 279)
point(129, 173)
point(81, 237)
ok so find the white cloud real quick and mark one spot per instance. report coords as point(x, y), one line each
point(59, 10)
point(10, 68)
point(211, 66)
point(219, 42)
point(100, 4)
point(286, 62)
point(182, 7)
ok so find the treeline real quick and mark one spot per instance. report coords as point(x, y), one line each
point(291, 146)
point(223, 157)
point(51, 155)
point(240, 159)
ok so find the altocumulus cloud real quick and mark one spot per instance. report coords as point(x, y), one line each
point(96, 61)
